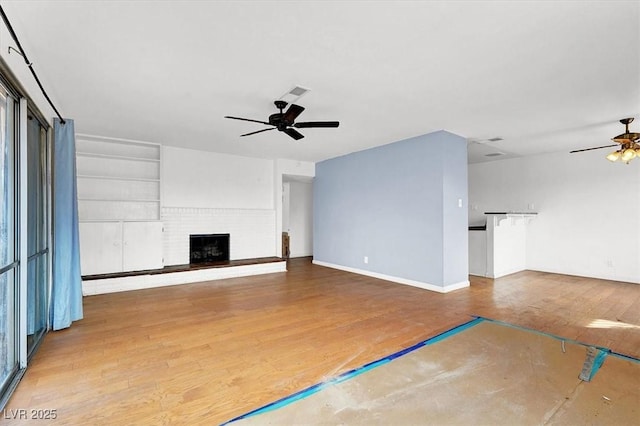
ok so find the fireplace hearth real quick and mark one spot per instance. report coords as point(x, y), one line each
point(205, 248)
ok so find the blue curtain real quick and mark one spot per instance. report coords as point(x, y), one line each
point(66, 297)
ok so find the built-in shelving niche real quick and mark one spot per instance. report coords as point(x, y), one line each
point(118, 204)
point(117, 180)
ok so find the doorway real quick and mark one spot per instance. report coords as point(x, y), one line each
point(297, 214)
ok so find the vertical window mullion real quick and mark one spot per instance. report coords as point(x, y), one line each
point(22, 234)
point(49, 210)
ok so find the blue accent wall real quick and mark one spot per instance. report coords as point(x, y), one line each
point(397, 204)
point(455, 245)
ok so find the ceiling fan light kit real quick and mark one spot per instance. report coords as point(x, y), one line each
point(629, 146)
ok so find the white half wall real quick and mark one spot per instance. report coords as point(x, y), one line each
point(138, 282)
point(583, 203)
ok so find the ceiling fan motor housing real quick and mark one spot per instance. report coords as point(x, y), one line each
point(278, 121)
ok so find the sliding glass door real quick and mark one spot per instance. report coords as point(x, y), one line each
point(25, 265)
point(9, 319)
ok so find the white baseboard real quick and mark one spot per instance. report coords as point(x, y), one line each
point(611, 277)
point(426, 286)
point(505, 272)
point(139, 282)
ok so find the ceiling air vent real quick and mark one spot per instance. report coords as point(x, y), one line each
point(497, 139)
point(494, 154)
point(294, 94)
point(298, 91)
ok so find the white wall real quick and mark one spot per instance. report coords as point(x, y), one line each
point(192, 178)
point(23, 75)
point(588, 210)
point(252, 231)
point(205, 192)
point(300, 219)
point(286, 205)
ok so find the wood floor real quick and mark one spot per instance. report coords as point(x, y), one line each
point(205, 353)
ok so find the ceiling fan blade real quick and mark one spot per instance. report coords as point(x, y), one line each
point(259, 131)
point(293, 133)
point(317, 124)
point(292, 113)
point(247, 119)
point(590, 149)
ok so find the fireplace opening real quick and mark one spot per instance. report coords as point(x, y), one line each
point(204, 248)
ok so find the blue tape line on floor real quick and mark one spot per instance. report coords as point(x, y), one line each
point(312, 389)
point(623, 356)
point(353, 373)
point(597, 363)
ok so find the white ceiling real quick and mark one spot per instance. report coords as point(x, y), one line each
point(544, 76)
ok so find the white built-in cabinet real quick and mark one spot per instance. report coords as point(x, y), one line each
point(118, 205)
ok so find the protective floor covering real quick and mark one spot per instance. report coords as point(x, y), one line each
point(487, 374)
